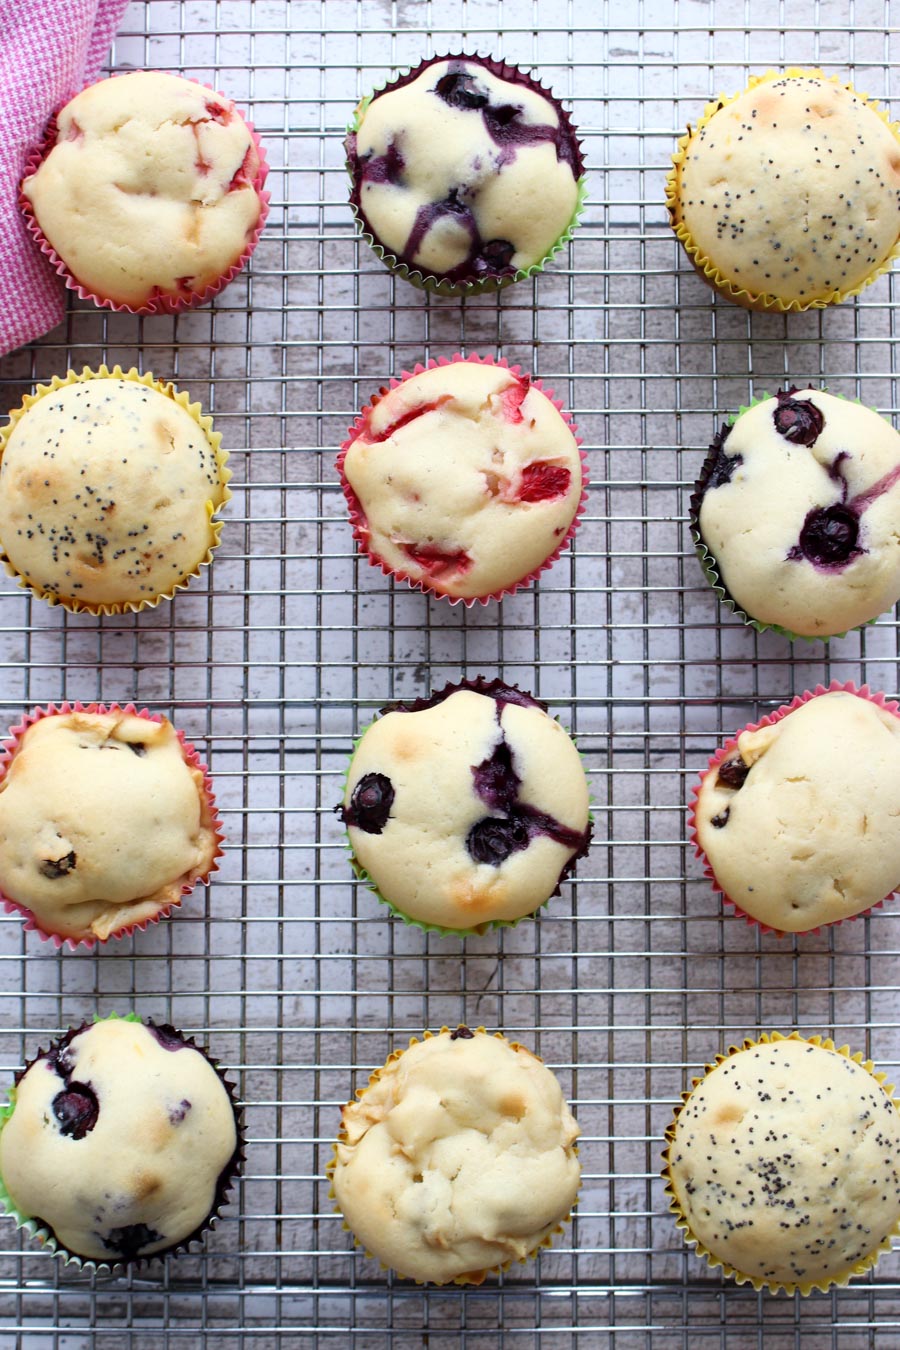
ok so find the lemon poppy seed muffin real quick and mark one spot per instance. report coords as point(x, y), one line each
point(121, 1142)
point(783, 1164)
point(458, 1158)
point(109, 485)
point(788, 196)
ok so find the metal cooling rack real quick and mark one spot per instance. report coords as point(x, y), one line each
point(299, 980)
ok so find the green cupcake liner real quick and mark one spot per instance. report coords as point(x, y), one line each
point(438, 285)
point(48, 1239)
point(708, 562)
point(492, 924)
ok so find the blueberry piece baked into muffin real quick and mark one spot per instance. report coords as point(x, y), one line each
point(120, 1142)
point(795, 513)
point(798, 820)
point(466, 808)
point(787, 196)
point(150, 193)
point(458, 1158)
point(110, 484)
point(464, 479)
point(783, 1164)
point(465, 173)
point(106, 819)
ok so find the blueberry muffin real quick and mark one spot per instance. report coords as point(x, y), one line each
point(468, 808)
point(794, 514)
point(457, 1159)
point(149, 194)
point(798, 819)
point(466, 173)
point(464, 480)
point(109, 488)
point(106, 820)
point(786, 196)
point(140, 1126)
point(783, 1164)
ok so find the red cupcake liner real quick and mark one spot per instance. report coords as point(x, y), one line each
point(8, 752)
point(159, 302)
point(861, 691)
point(358, 516)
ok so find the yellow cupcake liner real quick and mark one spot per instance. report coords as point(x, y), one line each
point(476, 1278)
point(762, 302)
point(204, 422)
point(713, 1261)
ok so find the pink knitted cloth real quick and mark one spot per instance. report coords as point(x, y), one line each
point(49, 49)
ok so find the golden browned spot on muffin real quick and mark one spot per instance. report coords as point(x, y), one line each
point(145, 1185)
point(729, 1113)
point(470, 895)
point(513, 1105)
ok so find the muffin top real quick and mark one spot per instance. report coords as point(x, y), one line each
point(462, 174)
point(118, 1140)
point(150, 189)
point(792, 189)
point(469, 808)
point(107, 488)
point(800, 824)
point(799, 510)
point(102, 821)
point(467, 478)
point(459, 1156)
point(785, 1163)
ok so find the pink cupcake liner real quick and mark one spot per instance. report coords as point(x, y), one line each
point(358, 516)
point(8, 752)
point(159, 302)
point(724, 751)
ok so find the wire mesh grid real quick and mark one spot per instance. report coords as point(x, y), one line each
point(632, 978)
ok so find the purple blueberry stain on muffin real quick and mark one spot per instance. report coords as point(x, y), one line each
point(129, 1241)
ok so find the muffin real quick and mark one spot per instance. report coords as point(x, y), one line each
point(464, 479)
point(120, 1143)
point(794, 515)
point(107, 818)
point(147, 193)
point(786, 196)
point(467, 809)
point(109, 485)
point(466, 174)
point(797, 817)
point(783, 1164)
point(457, 1159)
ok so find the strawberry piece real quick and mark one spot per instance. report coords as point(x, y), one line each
point(512, 398)
point(434, 562)
point(375, 438)
point(542, 481)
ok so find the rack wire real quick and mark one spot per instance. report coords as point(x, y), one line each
point(632, 978)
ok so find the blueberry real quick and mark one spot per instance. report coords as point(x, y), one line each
point(732, 773)
point(462, 1034)
point(723, 468)
point(178, 1113)
point(494, 256)
point(721, 820)
point(492, 840)
point(461, 91)
point(131, 1240)
point(167, 1037)
point(137, 748)
point(496, 781)
point(76, 1108)
point(370, 804)
point(54, 868)
point(829, 536)
point(798, 420)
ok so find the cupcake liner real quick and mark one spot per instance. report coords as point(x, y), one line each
point(227, 1177)
point(480, 686)
point(706, 559)
point(729, 748)
point(8, 751)
point(704, 267)
point(204, 422)
point(440, 285)
point(331, 1165)
point(713, 1261)
point(358, 516)
point(160, 302)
